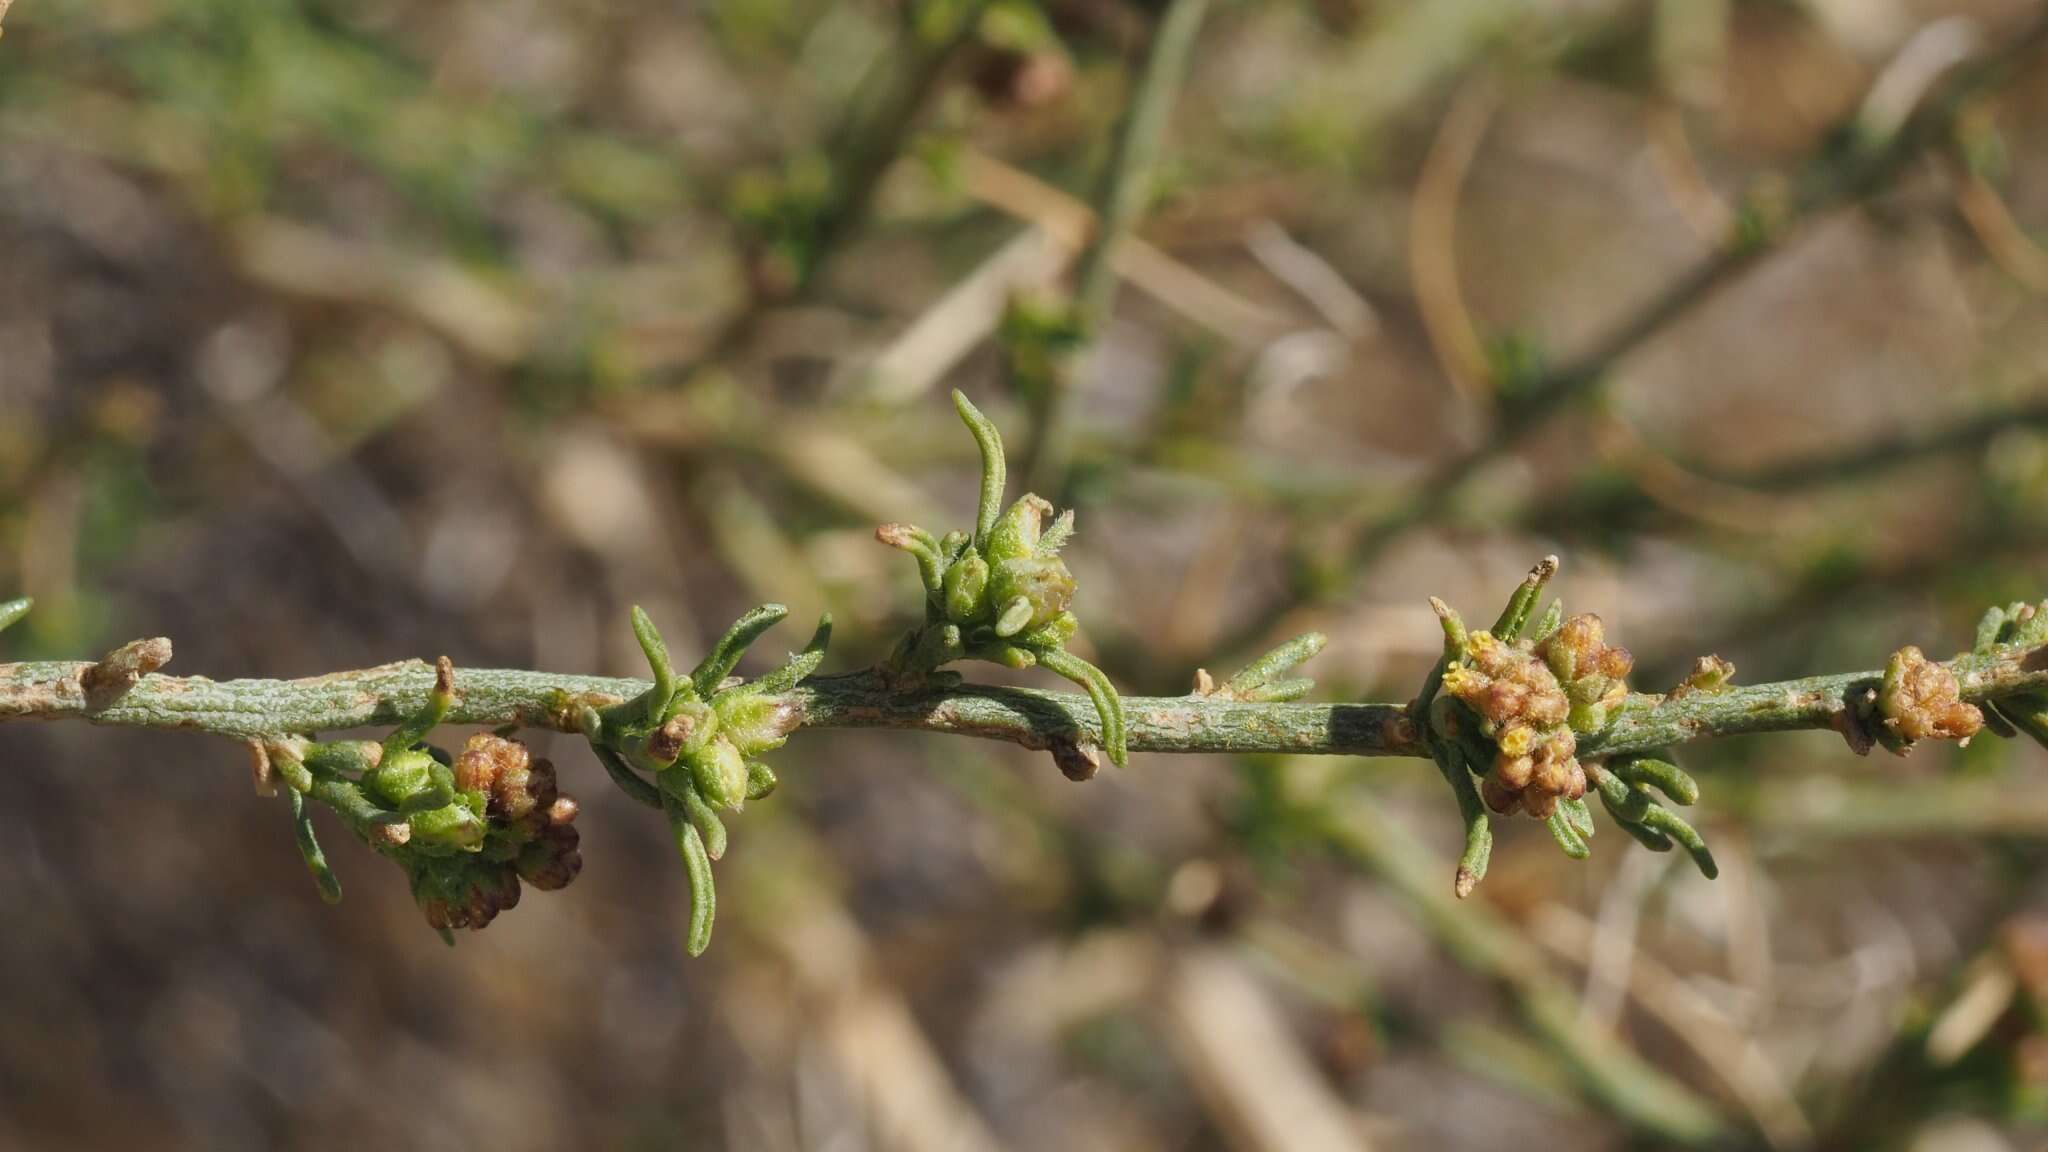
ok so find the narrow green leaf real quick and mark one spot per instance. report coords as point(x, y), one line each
point(655, 649)
point(931, 561)
point(1649, 838)
point(1662, 819)
point(703, 890)
point(1988, 629)
point(630, 782)
point(1578, 816)
point(309, 849)
point(1280, 660)
point(1669, 778)
point(1478, 851)
point(1280, 691)
point(725, 655)
point(707, 823)
point(1567, 837)
point(1108, 705)
point(12, 611)
point(2030, 625)
point(1508, 628)
point(993, 478)
point(802, 664)
point(1456, 639)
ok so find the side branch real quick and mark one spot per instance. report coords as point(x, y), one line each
point(385, 695)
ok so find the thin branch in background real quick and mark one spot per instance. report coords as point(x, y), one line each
point(883, 110)
point(1247, 1064)
point(1480, 940)
point(1882, 141)
point(910, 1100)
point(1678, 170)
point(1071, 222)
point(1433, 240)
point(1735, 1058)
point(957, 322)
point(1753, 501)
point(1126, 188)
point(1669, 484)
point(1985, 211)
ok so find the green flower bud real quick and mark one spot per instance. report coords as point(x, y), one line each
point(1562, 661)
point(1016, 614)
point(966, 583)
point(1011, 656)
point(1045, 584)
point(760, 779)
point(1016, 535)
point(1587, 717)
point(720, 773)
point(402, 776)
point(1053, 633)
point(456, 825)
point(754, 723)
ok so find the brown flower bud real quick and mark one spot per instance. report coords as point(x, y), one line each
point(1921, 700)
point(1499, 796)
point(1514, 772)
point(553, 860)
point(485, 758)
point(1616, 663)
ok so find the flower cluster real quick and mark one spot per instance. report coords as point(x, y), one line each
point(529, 835)
point(698, 737)
point(1510, 707)
point(1533, 698)
point(467, 830)
point(1522, 710)
point(1920, 700)
point(1001, 594)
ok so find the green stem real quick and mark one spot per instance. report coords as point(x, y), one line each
point(386, 695)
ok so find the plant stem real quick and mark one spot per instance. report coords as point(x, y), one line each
point(385, 695)
point(1125, 188)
